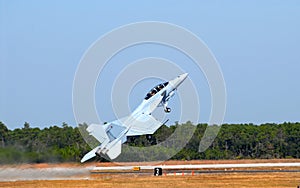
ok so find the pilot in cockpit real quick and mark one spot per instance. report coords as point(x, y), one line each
point(160, 86)
point(153, 92)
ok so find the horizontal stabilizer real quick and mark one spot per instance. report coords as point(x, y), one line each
point(90, 155)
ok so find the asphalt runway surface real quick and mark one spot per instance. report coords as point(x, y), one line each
point(83, 172)
point(201, 166)
point(187, 172)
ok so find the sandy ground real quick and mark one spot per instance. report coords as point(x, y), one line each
point(204, 180)
point(78, 175)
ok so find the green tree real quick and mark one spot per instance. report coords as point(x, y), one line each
point(3, 133)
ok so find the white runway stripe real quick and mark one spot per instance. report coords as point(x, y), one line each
point(202, 166)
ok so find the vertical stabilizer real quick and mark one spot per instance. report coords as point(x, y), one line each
point(98, 132)
point(115, 151)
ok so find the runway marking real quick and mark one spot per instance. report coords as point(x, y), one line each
point(57, 173)
point(203, 166)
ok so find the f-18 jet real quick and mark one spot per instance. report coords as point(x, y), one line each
point(113, 134)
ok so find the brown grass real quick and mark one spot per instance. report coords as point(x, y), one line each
point(274, 179)
point(279, 179)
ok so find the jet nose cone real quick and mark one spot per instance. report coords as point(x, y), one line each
point(184, 75)
point(178, 80)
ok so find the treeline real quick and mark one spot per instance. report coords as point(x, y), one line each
point(34, 145)
point(234, 141)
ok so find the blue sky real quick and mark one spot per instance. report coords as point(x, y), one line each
point(41, 43)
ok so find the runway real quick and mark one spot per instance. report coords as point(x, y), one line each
point(78, 172)
point(196, 169)
point(202, 166)
point(191, 172)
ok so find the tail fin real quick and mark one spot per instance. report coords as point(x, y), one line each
point(90, 154)
point(115, 151)
point(98, 132)
point(106, 135)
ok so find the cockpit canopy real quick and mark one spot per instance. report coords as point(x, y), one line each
point(155, 90)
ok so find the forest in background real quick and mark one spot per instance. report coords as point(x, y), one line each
point(234, 141)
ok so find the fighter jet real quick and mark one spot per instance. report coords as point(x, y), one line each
point(113, 134)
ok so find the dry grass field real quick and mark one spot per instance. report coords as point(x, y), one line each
point(261, 179)
point(278, 179)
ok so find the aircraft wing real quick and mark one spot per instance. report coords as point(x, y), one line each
point(141, 125)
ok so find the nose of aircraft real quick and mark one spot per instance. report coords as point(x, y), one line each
point(178, 80)
point(184, 75)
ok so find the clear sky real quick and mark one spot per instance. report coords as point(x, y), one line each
point(256, 44)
